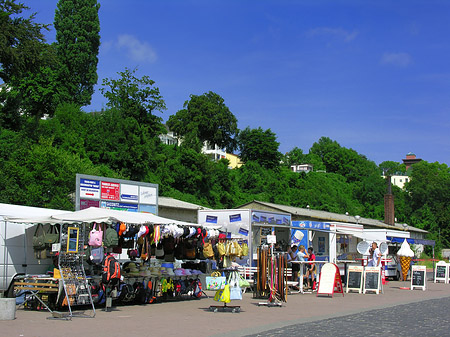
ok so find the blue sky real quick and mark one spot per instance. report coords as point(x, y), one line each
point(372, 75)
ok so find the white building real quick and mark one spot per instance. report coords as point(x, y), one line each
point(399, 180)
point(302, 168)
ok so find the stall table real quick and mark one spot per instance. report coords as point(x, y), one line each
point(301, 263)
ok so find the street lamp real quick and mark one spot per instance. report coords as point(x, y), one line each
point(357, 217)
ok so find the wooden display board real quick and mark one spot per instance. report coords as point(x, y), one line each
point(355, 278)
point(330, 280)
point(419, 277)
point(441, 272)
point(372, 279)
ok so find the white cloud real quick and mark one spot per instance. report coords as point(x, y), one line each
point(396, 59)
point(346, 35)
point(139, 51)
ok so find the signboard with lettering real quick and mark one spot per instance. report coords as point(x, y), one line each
point(110, 191)
point(90, 188)
point(355, 278)
point(441, 272)
point(372, 278)
point(147, 195)
point(419, 277)
point(129, 193)
point(119, 206)
point(118, 194)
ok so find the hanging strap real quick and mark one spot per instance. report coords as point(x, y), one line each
point(37, 228)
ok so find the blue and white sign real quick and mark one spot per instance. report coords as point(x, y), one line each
point(235, 218)
point(129, 193)
point(119, 206)
point(211, 219)
point(89, 188)
point(324, 226)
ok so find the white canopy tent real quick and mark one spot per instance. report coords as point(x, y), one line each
point(94, 214)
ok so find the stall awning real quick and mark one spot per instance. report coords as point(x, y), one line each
point(366, 236)
point(94, 214)
point(412, 241)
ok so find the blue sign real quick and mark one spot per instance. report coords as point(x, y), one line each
point(211, 219)
point(235, 218)
point(129, 197)
point(119, 206)
point(324, 226)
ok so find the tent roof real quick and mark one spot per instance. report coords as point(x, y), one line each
point(94, 214)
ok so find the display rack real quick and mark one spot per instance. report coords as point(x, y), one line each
point(76, 288)
point(276, 280)
point(225, 307)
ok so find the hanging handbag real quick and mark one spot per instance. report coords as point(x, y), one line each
point(96, 236)
point(244, 249)
point(235, 289)
point(215, 282)
point(39, 240)
point(97, 254)
point(221, 248)
point(189, 250)
point(208, 250)
point(159, 253)
point(223, 295)
point(52, 236)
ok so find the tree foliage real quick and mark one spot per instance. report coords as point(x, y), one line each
point(260, 146)
point(205, 118)
point(135, 98)
point(78, 40)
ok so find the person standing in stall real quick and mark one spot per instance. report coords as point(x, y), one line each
point(292, 256)
point(301, 256)
point(375, 256)
point(311, 268)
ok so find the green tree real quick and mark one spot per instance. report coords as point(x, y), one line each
point(260, 146)
point(429, 199)
point(40, 174)
point(28, 67)
point(293, 157)
point(21, 40)
point(391, 168)
point(78, 39)
point(205, 118)
point(137, 98)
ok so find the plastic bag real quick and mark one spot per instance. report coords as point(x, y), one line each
point(223, 295)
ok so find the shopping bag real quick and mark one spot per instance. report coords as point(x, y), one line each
point(243, 283)
point(223, 295)
point(235, 293)
point(235, 289)
point(215, 282)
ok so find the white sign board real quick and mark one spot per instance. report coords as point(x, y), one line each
point(419, 277)
point(129, 193)
point(441, 272)
point(327, 279)
point(372, 279)
point(147, 195)
point(271, 239)
point(355, 278)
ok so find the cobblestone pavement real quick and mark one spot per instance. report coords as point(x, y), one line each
point(427, 318)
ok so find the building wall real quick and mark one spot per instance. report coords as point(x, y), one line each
point(178, 214)
point(399, 180)
point(235, 161)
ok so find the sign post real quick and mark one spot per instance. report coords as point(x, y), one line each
point(355, 278)
point(372, 279)
point(419, 277)
point(441, 272)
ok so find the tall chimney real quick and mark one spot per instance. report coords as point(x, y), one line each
point(389, 212)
